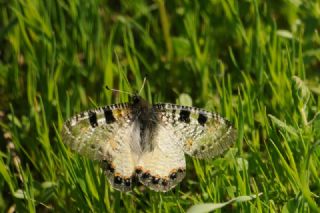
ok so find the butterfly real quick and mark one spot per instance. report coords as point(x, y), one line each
point(148, 143)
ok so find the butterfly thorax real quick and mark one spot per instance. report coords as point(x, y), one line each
point(147, 121)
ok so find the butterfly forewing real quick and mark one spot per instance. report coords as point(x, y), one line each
point(101, 134)
point(201, 133)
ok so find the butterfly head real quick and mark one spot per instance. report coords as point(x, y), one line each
point(135, 99)
point(140, 104)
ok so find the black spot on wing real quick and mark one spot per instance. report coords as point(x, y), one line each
point(127, 182)
point(155, 180)
point(93, 119)
point(146, 175)
point(184, 116)
point(117, 180)
point(164, 182)
point(173, 113)
point(107, 166)
point(173, 175)
point(138, 170)
point(202, 119)
point(108, 116)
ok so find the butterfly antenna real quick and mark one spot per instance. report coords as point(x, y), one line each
point(144, 82)
point(120, 91)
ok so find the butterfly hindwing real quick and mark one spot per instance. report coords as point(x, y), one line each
point(201, 133)
point(104, 134)
point(162, 167)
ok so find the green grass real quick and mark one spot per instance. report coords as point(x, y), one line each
point(255, 62)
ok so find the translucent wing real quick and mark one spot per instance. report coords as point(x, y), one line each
point(201, 133)
point(109, 134)
point(162, 166)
